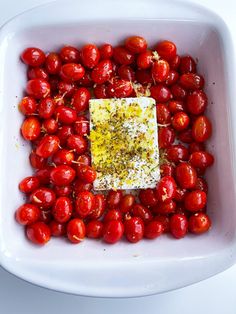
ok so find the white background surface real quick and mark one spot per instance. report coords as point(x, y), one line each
point(216, 295)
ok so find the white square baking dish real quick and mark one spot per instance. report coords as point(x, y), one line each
point(123, 270)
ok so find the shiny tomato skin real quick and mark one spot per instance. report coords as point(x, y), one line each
point(75, 230)
point(38, 233)
point(178, 225)
point(186, 175)
point(199, 223)
point(113, 231)
point(201, 129)
point(27, 214)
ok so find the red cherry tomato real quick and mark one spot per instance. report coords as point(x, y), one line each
point(53, 63)
point(84, 203)
point(31, 128)
point(176, 106)
point(71, 72)
point(69, 54)
point(78, 143)
point(153, 229)
point(102, 72)
point(187, 65)
point(33, 57)
point(37, 73)
point(63, 157)
point(177, 153)
point(113, 231)
point(29, 184)
point(94, 229)
point(123, 56)
point(81, 126)
point(100, 91)
point(90, 56)
point(66, 89)
point(80, 99)
point(62, 175)
point(202, 129)
point(28, 106)
point(167, 170)
point(86, 80)
point(143, 212)
point(144, 77)
point(86, 174)
point(62, 209)
point(166, 189)
point(201, 159)
point(99, 206)
point(119, 88)
point(38, 88)
point(134, 229)
point(113, 214)
point(195, 200)
point(63, 133)
point(106, 51)
point(197, 102)
point(180, 194)
point(127, 203)
point(165, 221)
point(186, 175)
point(114, 198)
point(46, 108)
point(180, 121)
point(125, 72)
point(76, 230)
point(38, 233)
point(166, 50)
point(172, 78)
point(84, 160)
point(57, 229)
point(166, 137)
point(44, 174)
point(160, 71)
point(147, 197)
point(166, 207)
point(43, 198)
point(201, 184)
point(160, 93)
point(178, 225)
point(36, 161)
point(63, 190)
point(48, 146)
point(163, 114)
point(186, 136)
point(178, 92)
point(174, 63)
point(191, 81)
point(136, 44)
point(199, 223)
point(27, 214)
point(50, 126)
point(80, 186)
point(45, 216)
point(196, 147)
point(145, 60)
point(65, 115)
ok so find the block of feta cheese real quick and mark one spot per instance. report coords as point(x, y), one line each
point(124, 143)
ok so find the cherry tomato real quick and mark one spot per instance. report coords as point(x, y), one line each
point(90, 56)
point(57, 229)
point(63, 133)
point(166, 137)
point(186, 175)
point(160, 71)
point(119, 88)
point(134, 229)
point(86, 80)
point(178, 92)
point(165, 221)
point(166, 189)
point(63, 190)
point(178, 225)
point(69, 54)
point(94, 229)
point(81, 126)
point(180, 194)
point(145, 60)
point(106, 51)
point(180, 121)
point(34, 73)
point(201, 159)
point(65, 115)
point(187, 65)
point(84, 203)
point(167, 170)
point(127, 203)
point(84, 160)
point(201, 184)
point(199, 223)
point(191, 81)
point(66, 89)
point(80, 99)
point(29, 184)
point(153, 229)
point(123, 56)
point(100, 91)
point(43, 197)
point(38, 233)
point(201, 129)
point(46, 108)
point(195, 200)
point(31, 129)
point(27, 214)
point(44, 174)
point(38, 88)
point(77, 143)
point(144, 77)
point(196, 147)
point(102, 72)
point(86, 174)
point(141, 211)
point(114, 198)
point(166, 207)
point(163, 114)
point(62, 175)
point(113, 231)
point(166, 50)
point(72, 72)
point(48, 146)
point(177, 153)
point(62, 209)
point(76, 230)
point(125, 72)
point(197, 102)
point(36, 161)
point(50, 126)
point(99, 206)
point(147, 197)
point(63, 157)
point(174, 63)
point(172, 78)
point(113, 214)
point(186, 136)
point(80, 186)
point(136, 44)
point(160, 93)
point(176, 106)
point(28, 106)
point(53, 63)
point(33, 57)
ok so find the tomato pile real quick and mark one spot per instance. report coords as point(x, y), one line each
point(60, 199)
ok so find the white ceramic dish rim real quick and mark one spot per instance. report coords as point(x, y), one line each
point(218, 262)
